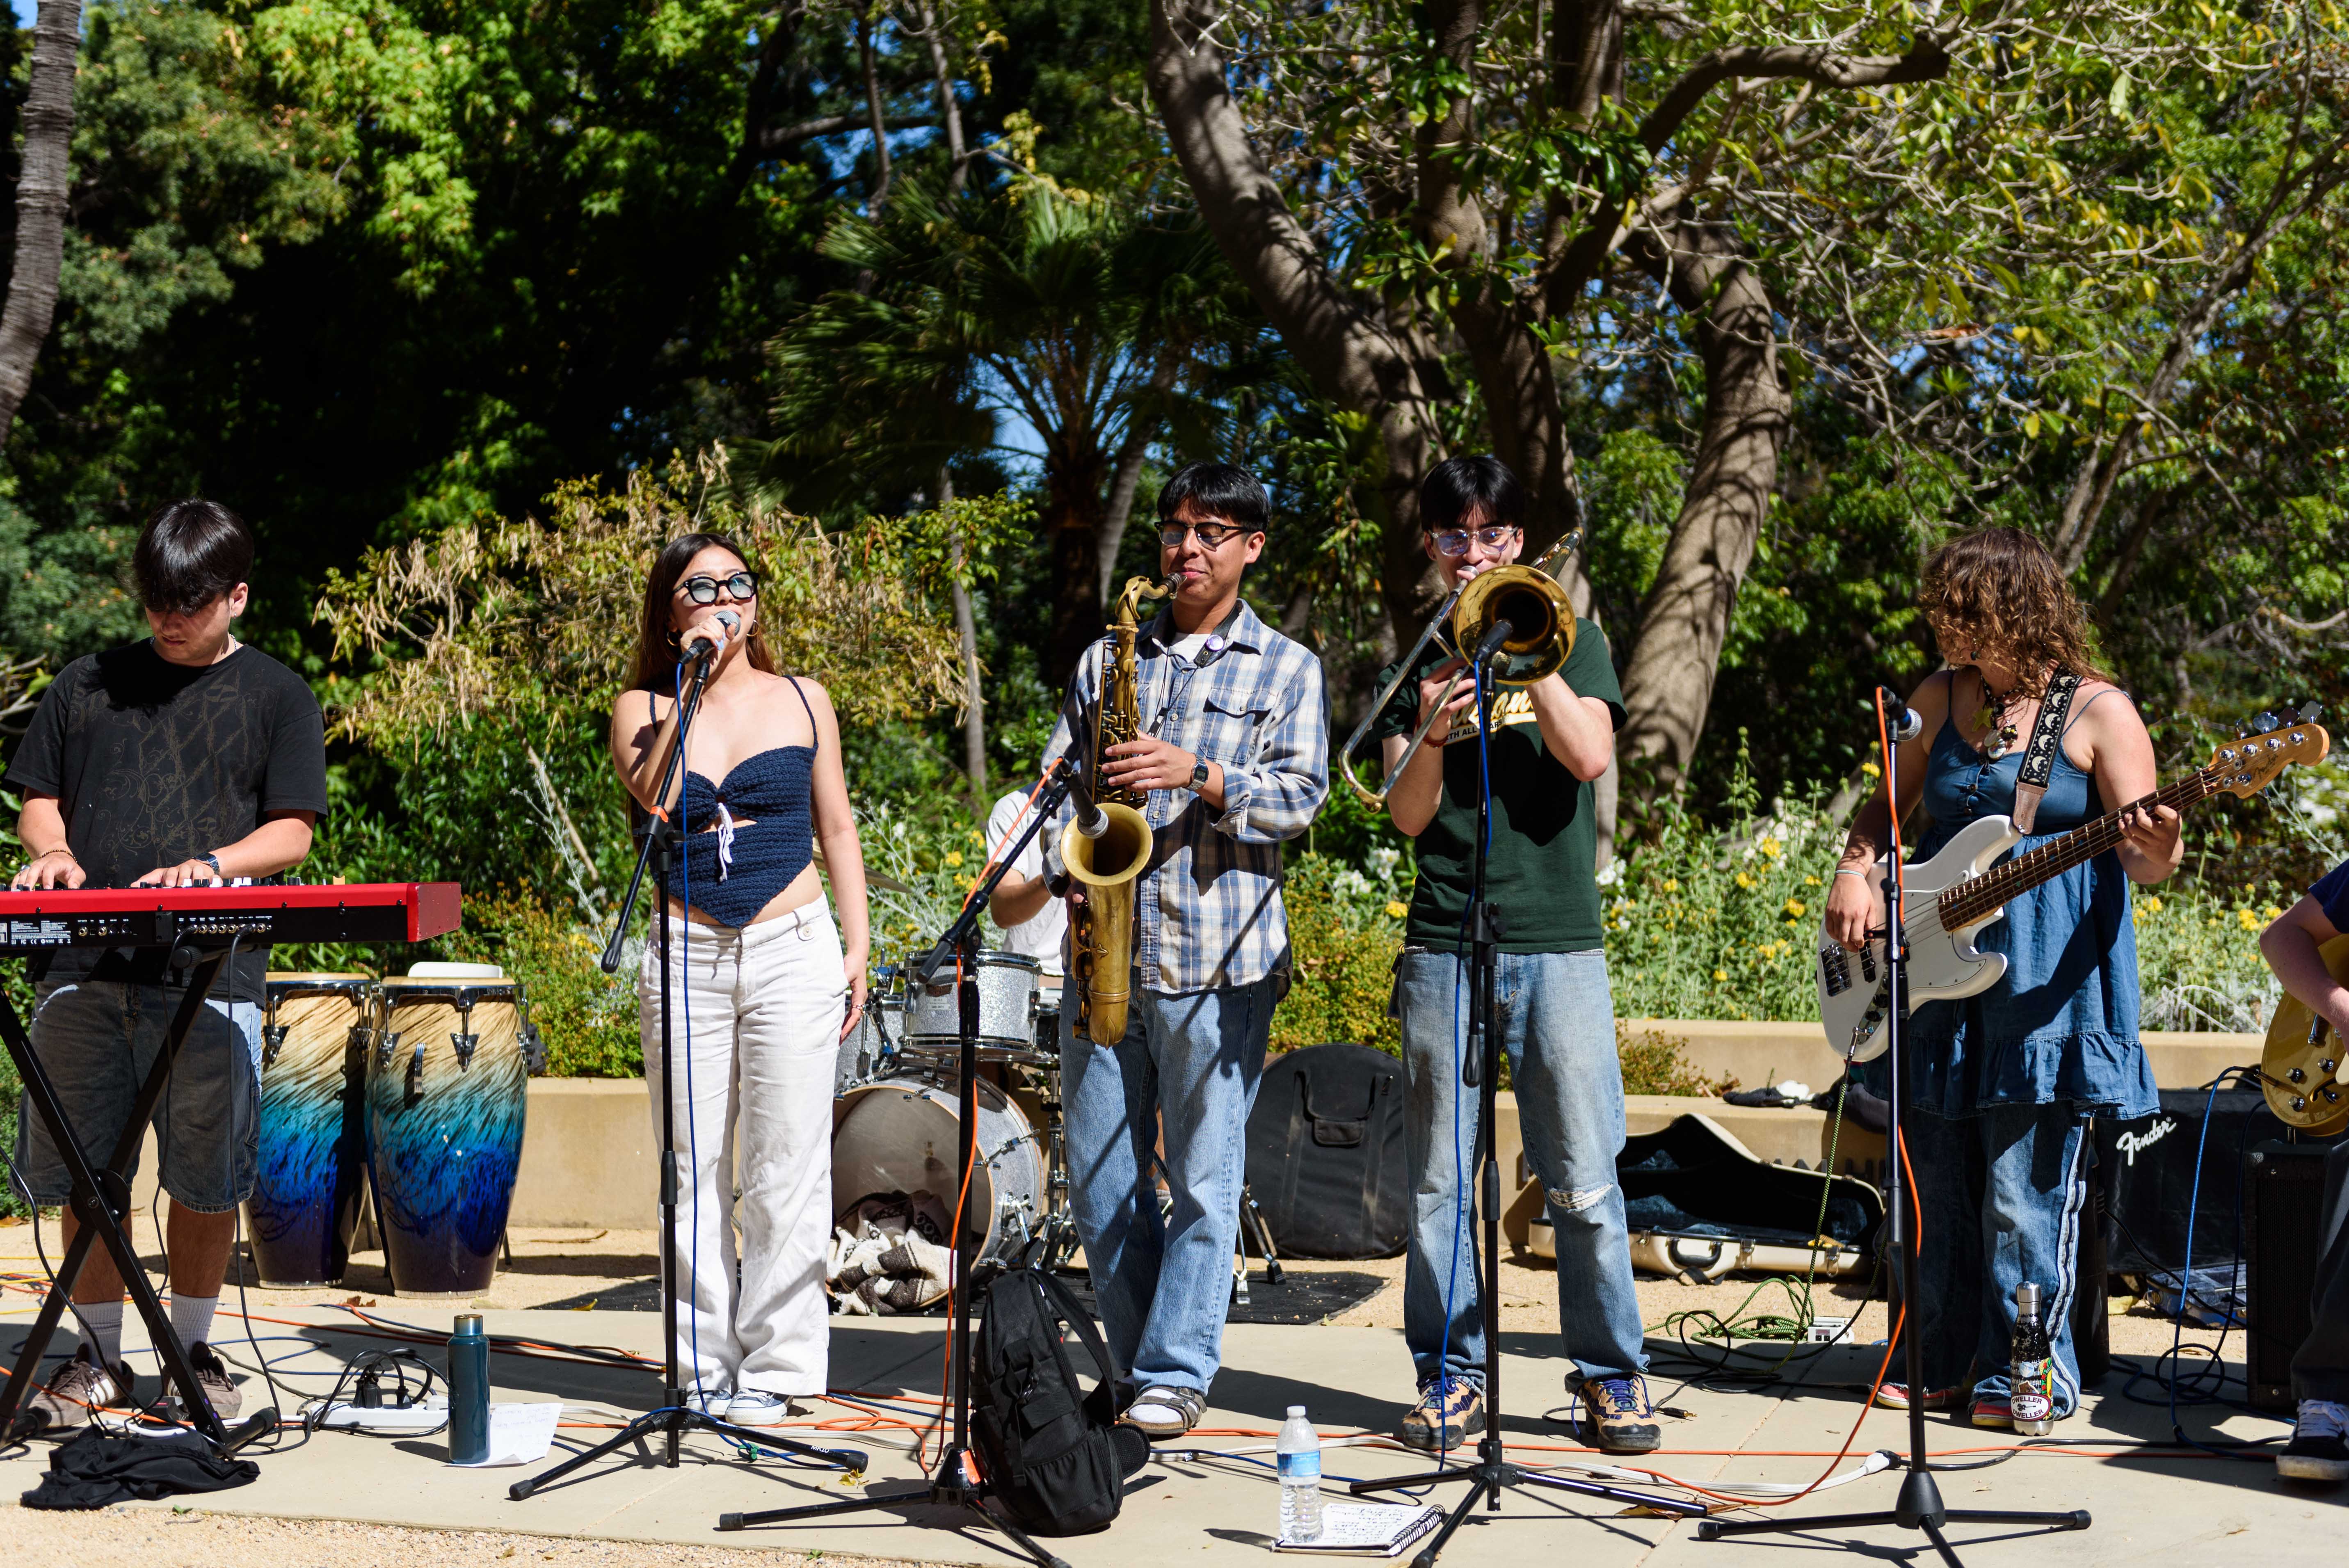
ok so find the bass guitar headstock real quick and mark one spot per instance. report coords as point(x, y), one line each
point(2250, 764)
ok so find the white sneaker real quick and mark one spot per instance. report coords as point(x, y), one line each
point(2319, 1451)
point(757, 1407)
point(710, 1402)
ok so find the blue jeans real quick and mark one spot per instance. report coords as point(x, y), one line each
point(1556, 1020)
point(98, 1039)
point(1165, 1284)
point(1999, 1201)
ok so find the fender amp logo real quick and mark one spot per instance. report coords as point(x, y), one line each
point(2133, 1144)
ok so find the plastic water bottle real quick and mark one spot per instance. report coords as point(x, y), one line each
point(1299, 1449)
point(2030, 1368)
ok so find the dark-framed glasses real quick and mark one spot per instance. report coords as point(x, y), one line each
point(1454, 541)
point(1210, 535)
point(741, 587)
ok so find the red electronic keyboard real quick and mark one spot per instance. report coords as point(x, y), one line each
point(260, 913)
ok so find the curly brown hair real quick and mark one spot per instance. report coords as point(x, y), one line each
point(1999, 591)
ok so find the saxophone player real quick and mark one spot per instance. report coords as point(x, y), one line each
point(1229, 754)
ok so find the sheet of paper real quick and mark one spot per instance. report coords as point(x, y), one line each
point(520, 1434)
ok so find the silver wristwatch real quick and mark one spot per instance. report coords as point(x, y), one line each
point(1198, 776)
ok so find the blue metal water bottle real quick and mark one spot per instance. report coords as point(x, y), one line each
point(468, 1391)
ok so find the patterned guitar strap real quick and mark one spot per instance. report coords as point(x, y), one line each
point(2039, 757)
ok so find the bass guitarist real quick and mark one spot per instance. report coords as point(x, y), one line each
point(2001, 1086)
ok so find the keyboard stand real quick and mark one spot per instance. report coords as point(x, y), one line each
point(100, 1201)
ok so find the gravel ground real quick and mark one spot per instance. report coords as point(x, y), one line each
point(128, 1536)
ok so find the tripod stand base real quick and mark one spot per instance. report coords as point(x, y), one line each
point(942, 1494)
point(1492, 1472)
point(1919, 1507)
point(673, 1424)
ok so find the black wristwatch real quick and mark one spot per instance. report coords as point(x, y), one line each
point(213, 861)
point(1198, 776)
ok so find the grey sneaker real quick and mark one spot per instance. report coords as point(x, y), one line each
point(80, 1387)
point(757, 1407)
point(220, 1390)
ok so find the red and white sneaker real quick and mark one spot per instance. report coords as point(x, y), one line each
point(1895, 1397)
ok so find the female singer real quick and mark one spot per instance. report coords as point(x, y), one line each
point(2001, 1087)
point(762, 991)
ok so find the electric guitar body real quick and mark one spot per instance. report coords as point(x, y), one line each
point(1854, 988)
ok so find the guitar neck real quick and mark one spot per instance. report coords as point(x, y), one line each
point(1977, 897)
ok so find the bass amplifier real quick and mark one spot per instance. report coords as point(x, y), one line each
point(2283, 1205)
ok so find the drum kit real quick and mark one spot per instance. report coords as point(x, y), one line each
point(895, 1124)
point(415, 1085)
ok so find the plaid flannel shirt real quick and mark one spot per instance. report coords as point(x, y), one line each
point(1207, 909)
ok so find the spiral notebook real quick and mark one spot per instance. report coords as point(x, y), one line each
point(1368, 1529)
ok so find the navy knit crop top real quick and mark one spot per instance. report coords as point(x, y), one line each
point(730, 872)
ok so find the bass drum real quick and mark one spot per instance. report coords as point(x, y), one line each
point(902, 1135)
point(307, 1181)
point(447, 1088)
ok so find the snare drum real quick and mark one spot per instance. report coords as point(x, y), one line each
point(903, 1134)
point(307, 1182)
point(1007, 984)
point(446, 1092)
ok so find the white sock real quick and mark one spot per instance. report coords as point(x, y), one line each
point(192, 1318)
point(105, 1322)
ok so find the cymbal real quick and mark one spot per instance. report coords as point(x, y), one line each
point(881, 879)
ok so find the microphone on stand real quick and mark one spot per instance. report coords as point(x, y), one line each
point(702, 643)
point(1902, 719)
point(1092, 820)
point(1491, 644)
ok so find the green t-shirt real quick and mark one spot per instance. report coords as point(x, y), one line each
point(1542, 877)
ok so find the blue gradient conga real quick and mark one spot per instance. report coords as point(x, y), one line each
point(313, 1140)
point(446, 1092)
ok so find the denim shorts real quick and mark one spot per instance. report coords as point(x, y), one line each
point(98, 1040)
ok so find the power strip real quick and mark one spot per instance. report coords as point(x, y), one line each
point(345, 1416)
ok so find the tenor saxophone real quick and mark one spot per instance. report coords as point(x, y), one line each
point(1101, 928)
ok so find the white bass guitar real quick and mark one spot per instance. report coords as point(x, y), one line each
point(1951, 898)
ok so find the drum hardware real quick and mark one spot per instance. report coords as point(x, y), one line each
point(463, 1038)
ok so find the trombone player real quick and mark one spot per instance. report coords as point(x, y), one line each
point(1228, 757)
point(1551, 738)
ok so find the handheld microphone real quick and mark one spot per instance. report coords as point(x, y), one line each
point(702, 643)
point(1901, 718)
point(1491, 643)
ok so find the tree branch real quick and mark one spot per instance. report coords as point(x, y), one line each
point(770, 140)
point(41, 189)
point(1928, 59)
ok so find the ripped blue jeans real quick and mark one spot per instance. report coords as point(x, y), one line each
point(1556, 1022)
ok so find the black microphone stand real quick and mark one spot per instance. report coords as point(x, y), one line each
point(1918, 1506)
point(956, 1482)
point(659, 838)
point(1480, 1069)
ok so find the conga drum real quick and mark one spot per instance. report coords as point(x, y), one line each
point(312, 1137)
point(446, 1094)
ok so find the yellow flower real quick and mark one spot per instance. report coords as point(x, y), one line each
point(1810, 881)
point(2247, 920)
point(1395, 911)
point(1794, 908)
point(1720, 974)
point(1671, 884)
point(1770, 847)
point(2271, 913)
point(1870, 769)
point(954, 857)
point(1745, 879)
point(2151, 904)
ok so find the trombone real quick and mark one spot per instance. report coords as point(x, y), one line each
point(1539, 640)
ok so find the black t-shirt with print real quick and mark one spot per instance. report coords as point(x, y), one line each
point(154, 763)
point(1542, 878)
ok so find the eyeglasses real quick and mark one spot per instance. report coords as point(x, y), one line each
point(741, 587)
point(1454, 541)
point(1210, 535)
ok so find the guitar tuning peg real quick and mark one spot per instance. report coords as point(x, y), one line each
point(2265, 719)
point(2308, 713)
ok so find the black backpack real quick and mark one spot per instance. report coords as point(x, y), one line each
point(1052, 1453)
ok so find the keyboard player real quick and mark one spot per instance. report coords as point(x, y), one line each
point(187, 758)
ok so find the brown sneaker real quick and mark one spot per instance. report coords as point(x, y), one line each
point(1445, 1417)
point(80, 1387)
point(1622, 1421)
point(213, 1377)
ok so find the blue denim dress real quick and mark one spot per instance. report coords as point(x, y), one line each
point(2061, 1025)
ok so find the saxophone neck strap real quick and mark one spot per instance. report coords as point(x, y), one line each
point(2039, 756)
